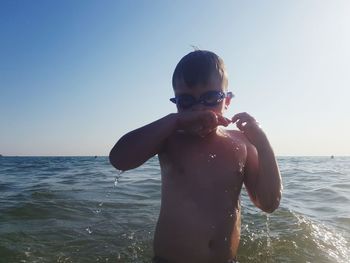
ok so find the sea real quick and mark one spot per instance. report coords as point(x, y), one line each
point(81, 209)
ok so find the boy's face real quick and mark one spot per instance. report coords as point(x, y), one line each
point(208, 90)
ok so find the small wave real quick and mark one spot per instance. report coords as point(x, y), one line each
point(6, 186)
point(327, 241)
point(344, 185)
point(286, 236)
point(46, 195)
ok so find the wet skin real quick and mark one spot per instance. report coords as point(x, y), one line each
point(199, 219)
point(203, 168)
point(202, 176)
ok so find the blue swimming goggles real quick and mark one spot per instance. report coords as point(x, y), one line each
point(210, 98)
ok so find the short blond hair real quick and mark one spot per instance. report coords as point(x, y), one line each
point(197, 66)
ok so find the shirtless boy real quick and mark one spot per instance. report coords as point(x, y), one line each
point(203, 166)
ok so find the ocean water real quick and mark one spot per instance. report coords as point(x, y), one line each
point(79, 209)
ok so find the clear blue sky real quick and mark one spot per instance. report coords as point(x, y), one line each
point(77, 75)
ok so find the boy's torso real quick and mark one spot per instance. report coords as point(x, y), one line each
point(202, 178)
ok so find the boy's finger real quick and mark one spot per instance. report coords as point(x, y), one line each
point(240, 125)
point(242, 115)
point(235, 117)
point(223, 120)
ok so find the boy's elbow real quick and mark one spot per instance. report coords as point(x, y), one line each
point(116, 162)
point(271, 206)
point(269, 209)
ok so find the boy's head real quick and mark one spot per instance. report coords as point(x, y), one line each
point(200, 82)
point(198, 67)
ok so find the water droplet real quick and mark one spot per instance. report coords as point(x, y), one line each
point(241, 167)
point(116, 181)
point(88, 230)
point(119, 172)
point(211, 156)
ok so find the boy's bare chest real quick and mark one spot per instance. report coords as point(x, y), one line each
point(213, 163)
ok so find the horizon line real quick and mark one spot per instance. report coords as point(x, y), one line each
point(283, 155)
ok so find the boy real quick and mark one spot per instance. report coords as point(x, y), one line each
point(202, 165)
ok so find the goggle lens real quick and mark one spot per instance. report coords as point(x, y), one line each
point(210, 98)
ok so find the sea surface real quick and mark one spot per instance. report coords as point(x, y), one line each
point(80, 209)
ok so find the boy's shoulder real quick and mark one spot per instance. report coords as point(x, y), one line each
point(235, 134)
point(240, 138)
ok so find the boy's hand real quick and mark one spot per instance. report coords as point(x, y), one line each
point(200, 122)
point(250, 127)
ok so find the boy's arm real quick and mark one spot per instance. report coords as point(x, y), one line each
point(137, 146)
point(262, 178)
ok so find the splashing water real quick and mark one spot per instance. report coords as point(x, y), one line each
point(268, 237)
point(88, 229)
point(119, 172)
point(311, 225)
point(97, 211)
point(116, 179)
point(129, 236)
point(333, 244)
